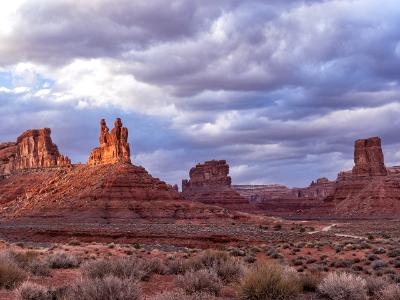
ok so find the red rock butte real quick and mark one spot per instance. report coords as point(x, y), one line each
point(33, 149)
point(209, 183)
point(114, 146)
point(39, 183)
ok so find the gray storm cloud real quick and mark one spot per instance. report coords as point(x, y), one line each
point(280, 89)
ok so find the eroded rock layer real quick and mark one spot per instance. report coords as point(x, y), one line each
point(209, 183)
point(314, 200)
point(114, 146)
point(110, 192)
point(33, 149)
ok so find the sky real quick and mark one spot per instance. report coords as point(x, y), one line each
point(280, 89)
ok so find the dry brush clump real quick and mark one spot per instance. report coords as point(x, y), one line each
point(108, 287)
point(180, 294)
point(32, 291)
point(141, 269)
point(200, 281)
point(61, 260)
point(391, 292)
point(270, 281)
point(11, 275)
point(343, 286)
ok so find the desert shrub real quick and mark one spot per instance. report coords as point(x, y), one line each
point(393, 253)
point(139, 269)
point(38, 268)
point(270, 282)
point(11, 275)
point(375, 285)
point(24, 258)
point(180, 294)
point(32, 291)
point(379, 251)
point(391, 292)
point(61, 260)
point(378, 264)
point(228, 270)
point(343, 286)
point(201, 281)
point(310, 281)
point(176, 267)
point(372, 257)
point(109, 287)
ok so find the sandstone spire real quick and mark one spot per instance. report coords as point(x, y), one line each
point(114, 146)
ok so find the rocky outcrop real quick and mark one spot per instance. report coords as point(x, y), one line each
point(275, 199)
point(368, 158)
point(34, 149)
point(370, 189)
point(114, 146)
point(210, 183)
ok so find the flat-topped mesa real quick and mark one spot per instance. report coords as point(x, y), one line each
point(368, 158)
point(211, 173)
point(114, 146)
point(33, 149)
point(209, 183)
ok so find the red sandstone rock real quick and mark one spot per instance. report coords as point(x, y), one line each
point(114, 146)
point(109, 192)
point(209, 183)
point(33, 149)
point(368, 158)
point(280, 200)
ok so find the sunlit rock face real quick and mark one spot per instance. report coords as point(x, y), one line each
point(114, 146)
point(33, 149)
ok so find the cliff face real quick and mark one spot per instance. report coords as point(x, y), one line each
point(33, 149)
point(368, 158)
point(209, 183)
point(114, 146)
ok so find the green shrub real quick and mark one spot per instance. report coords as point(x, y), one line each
point(269, 281)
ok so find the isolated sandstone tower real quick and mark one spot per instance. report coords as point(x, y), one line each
point(368, 158)
point(114, 146)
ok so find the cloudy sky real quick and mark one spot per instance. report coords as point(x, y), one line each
point(280, 89)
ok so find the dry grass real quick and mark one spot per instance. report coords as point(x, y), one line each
point(270, 282)
point(180, 295)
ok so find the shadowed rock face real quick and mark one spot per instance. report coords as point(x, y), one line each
point(209, 183)
point(33, 149)
point(114, 146)
point(368, 158)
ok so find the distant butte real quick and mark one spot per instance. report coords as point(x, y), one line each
point(209, 183)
